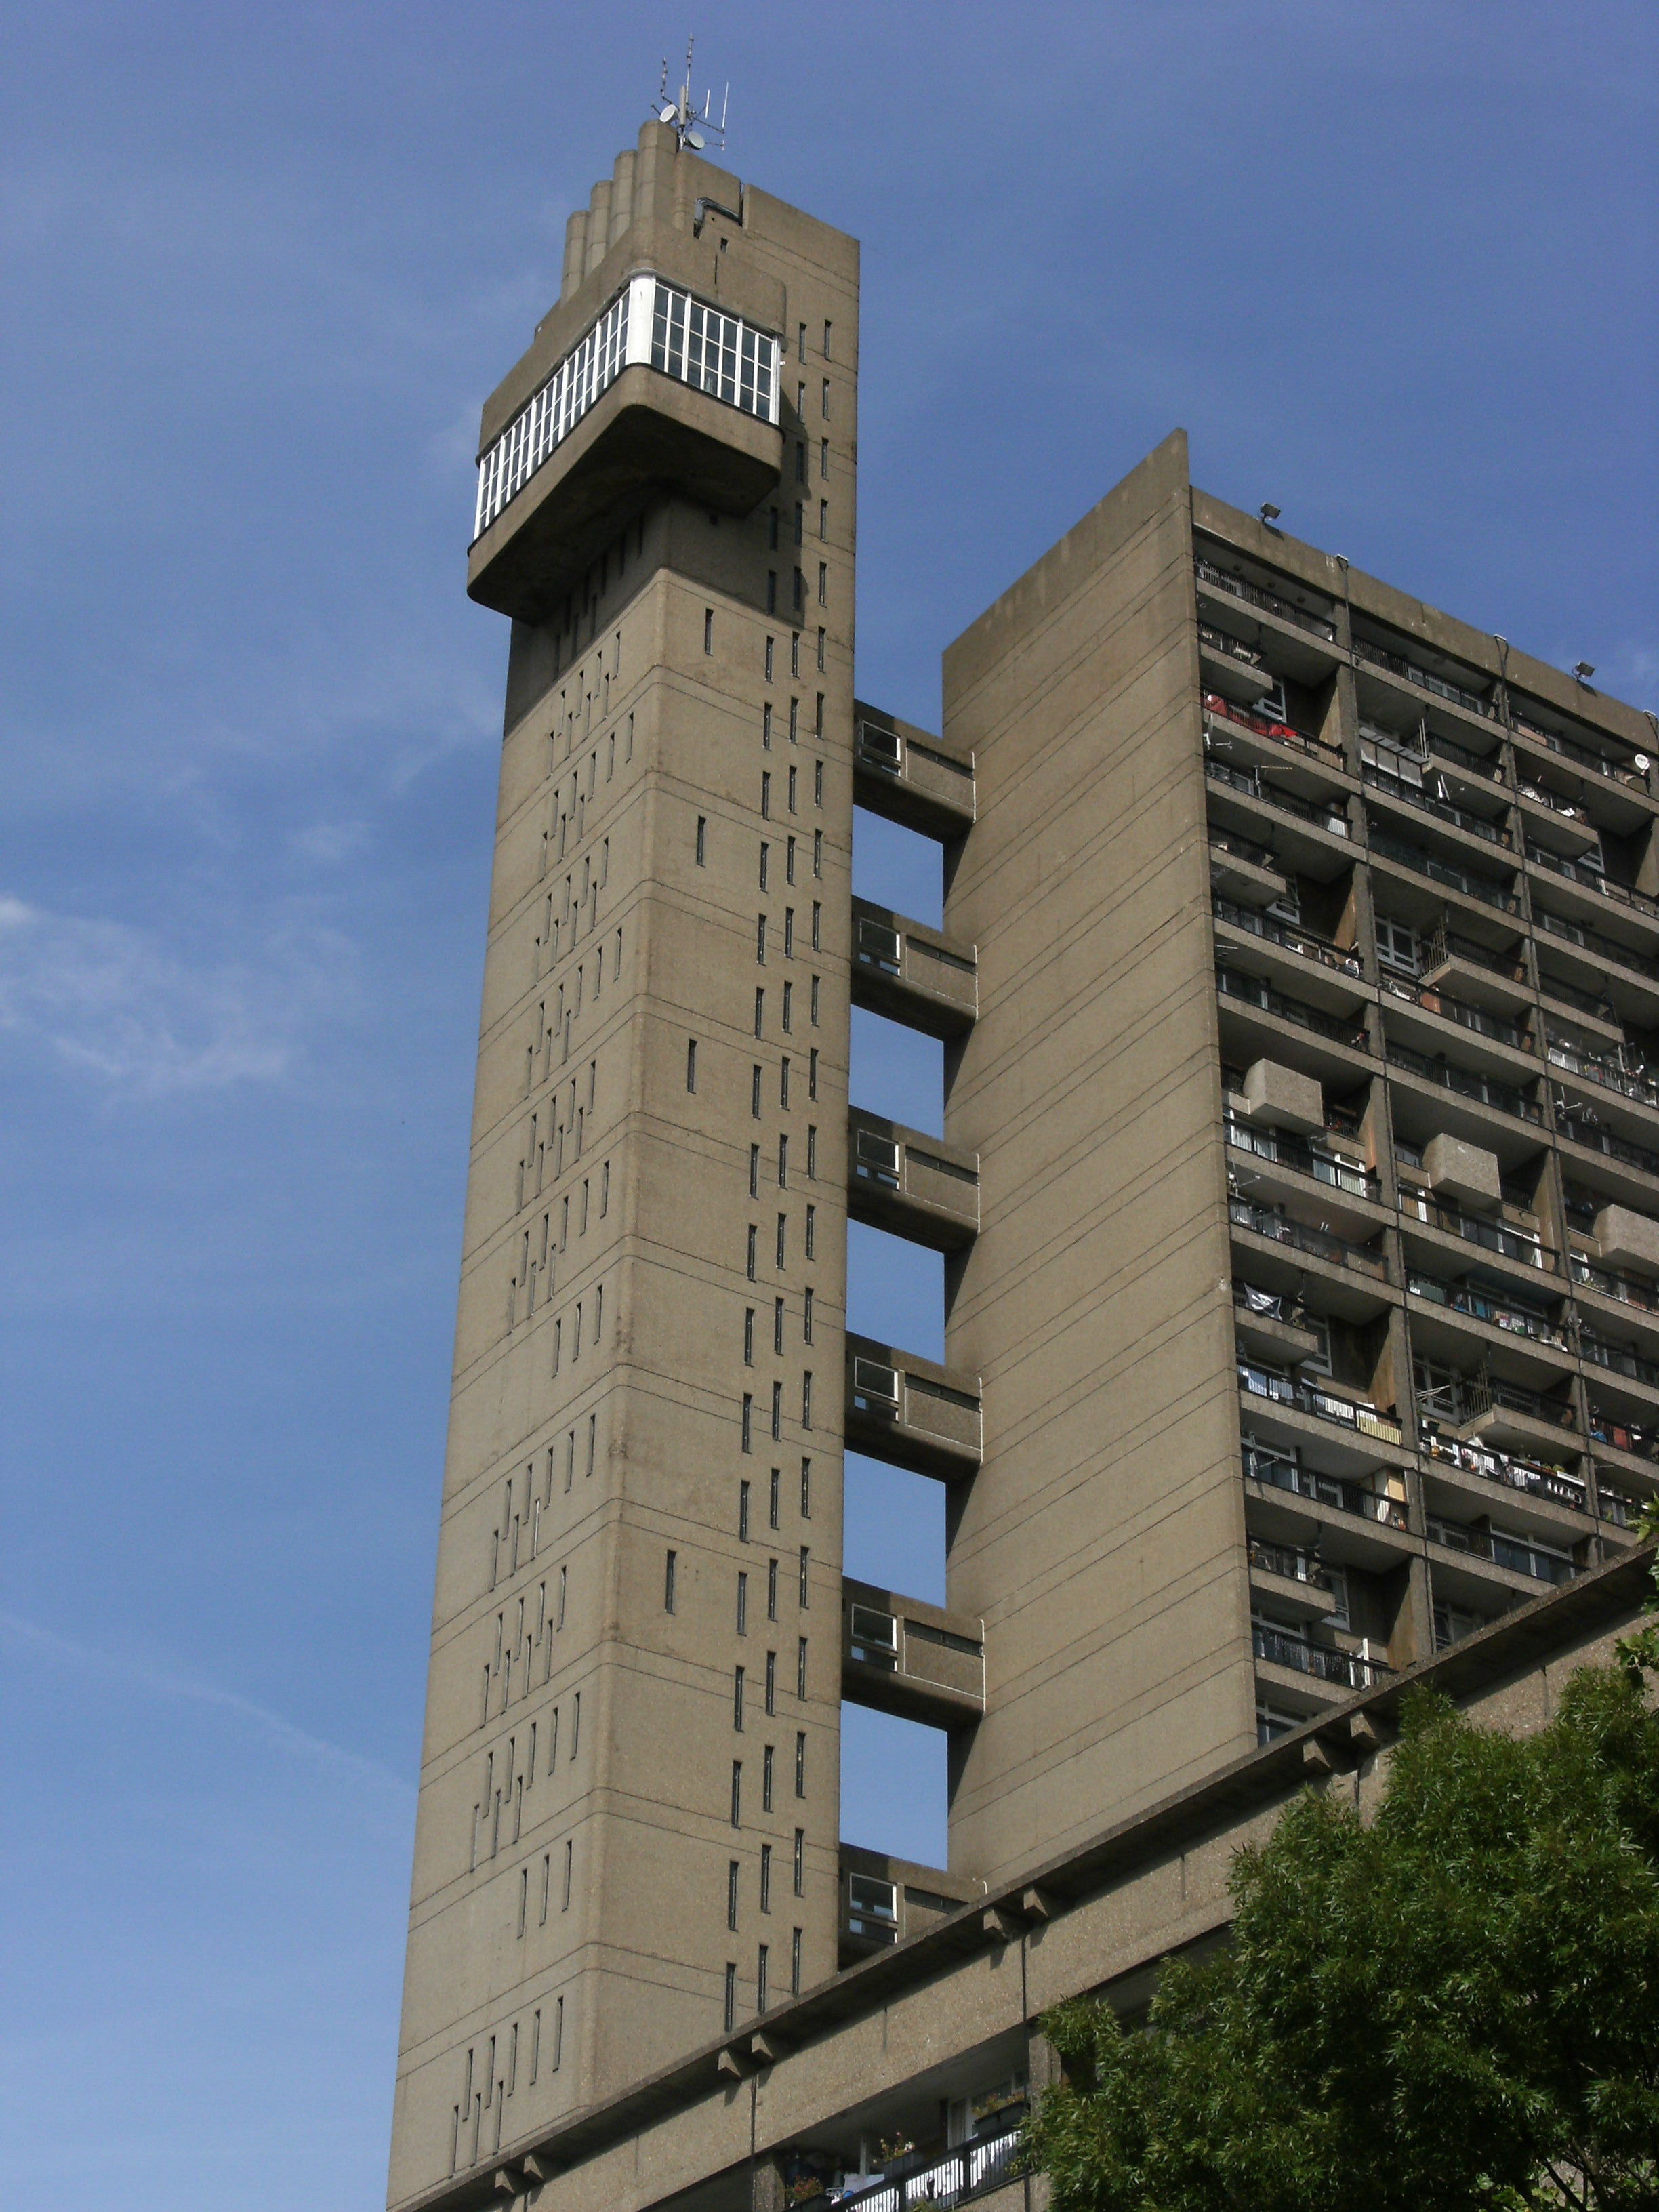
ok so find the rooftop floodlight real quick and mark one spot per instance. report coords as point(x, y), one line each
point(1583, 670)
point(1269, 512)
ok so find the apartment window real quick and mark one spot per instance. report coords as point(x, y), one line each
point(817, 853)
point(771, 1682)
point(801, 396)
point(753, 1235)
point(771, 1589)
point(787, 1016)
point(737, 1793)
point(789, 933)
point(733, 1874)
point(569, 1870)
point(794, 710)
point(783, 1162)
point(818, 716)
point(823, 524)
point(789, 861)
point(823, 583)
point(754, 1172)
point(703, 841)
point(806, 1490)
point(737, 1698)
point(800, 1762)
point(821, 633)
point(792, 772)
point(800, 342)
point(800, 1865)
point(812, 1149)
point(760, 1009)
point(783, 1227)
point(743, 1512)
point(817, 985)
point(772, 1497)
point(783, 1081)
point(777, 1411)
point(812, 1231)
point(801, 1667)
point(731, 1996)
point(760, 1978)
point(825, 401)
point(824, 458)
point(766, 793)
point(806, 1296)
point(806, 1399)
point(691, 1063)
point(800, 593)
point(743, 1602)
point(827, 328)
point(755, 1091)
point(794, 1964)
point(805, 1563)
point(777, 1326)
point(768, 1767)
point(748, 1421)
point(708, 624)
point(760, 939)
point(765, 863)
point(770, 642)
point(765, 1879)
point(669, 1575)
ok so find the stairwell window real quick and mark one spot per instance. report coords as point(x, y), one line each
point(749, 1336)
point(737, 1698)
point(733, 1873)
point(754, 1172)
point(737, 1793)
point(760, 1009)
point(748, 1421)
point(691, 1063)
point(755, 1091)
point(806, 1569)
point(730, 2015)
point(668, 1578)
point(800, 1762)
point(743, 1602)
point(703, 841)
point(801, 1667)
point(760, 1978)
point(708, 629)
point(743, 1512)
point(794, 1964)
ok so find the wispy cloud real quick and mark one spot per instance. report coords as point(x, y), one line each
point(112, 1001)
point(164, 1682)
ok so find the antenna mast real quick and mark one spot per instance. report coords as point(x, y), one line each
point(692, 125)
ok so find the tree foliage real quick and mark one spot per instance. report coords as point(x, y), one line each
point(1454, 2007)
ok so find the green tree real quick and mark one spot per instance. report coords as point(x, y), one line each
point(1453, 2008)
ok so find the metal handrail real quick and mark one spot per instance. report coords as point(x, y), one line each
point(956, 2177)
point(1477, 826)
point(1328, 817)
point(1591, 880)
point(1494, 1466)
point(1457, 1297)
point(1252, 595)
point(1265, 725)
point(1323, 1404)
point(1475, 1229)
point(1473, 1018)
point(1233, 983)
point(1570, 750)
point(1264, 1221)
point(1484, 888)
point(1291, 935)
point(1397, 665)
point(1466, 1082)
point(1279, 1648)
point(1591, 940)
point(1281, 1474)
point(1326, 1167)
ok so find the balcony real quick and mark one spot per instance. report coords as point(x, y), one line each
point(1348, 1670)
point(1254, 991)
point(1223, 710)
point(1496, 1311)
point(1608, 1070)
point(910, 1412)
point(1465, 818)
point(1306, 1398)
point(1569, 749)
point(918, 1660)
point(1252, 595)
point(1238, 863)
point(1501, 1550)
point(1306, 944)
point(1575, 1130)
point(941, 2179)
point(1585, 878)
point(910, 776)
point(1592, 942)
point(1467, 1083)
point(1485, 1409)
point(662, 390)
point(1516, 1244)
point(886, 1901)
point(1329, 815)
point(1617, 1359)
point(1614, 1283)
point(1422, 862)
point(1531, 1478)
point(1411, 672)
point(911, 974)
point(1478, 1020)
point(1301, 1237)
point(1325, 1166)
point(1636, 1439)
point(909, 1184)
point(1277, 1471)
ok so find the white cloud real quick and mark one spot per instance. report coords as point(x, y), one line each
point(109, 1000)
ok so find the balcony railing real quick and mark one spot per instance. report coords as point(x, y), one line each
point(1233, 983)
point(1290, 934)
point(1503, 1551)
point(1617, 1507)
point(1323, 1404)
point(944, 2181)
point(1617, 1359)
point(1447, 945)
point(1467, 1083)
point(1252, 595)
point(1592, 879)
point(1441, 871)
point(1570, 810)
point(1468, 1397)
point(1272, 1467)
point(1226, 646)
point(1567, 1112)
point(1594, 1068)
point(1458, 1298)
point(1460, 818)
point(1319, 1244)
point(1473, 1018)
point(1591, 940)
point(1265, 725)
point(1641, 1438)
point(1613, 1283)
point(1327, 815)
point(1291, 1563)
point(1491, 1466)
point(1324, 1166)
point(1397, 665)
point(1244, 848)
point(1352, 1670)
point(1569, 749)
point(1587, 1002)
point(1417, 1205)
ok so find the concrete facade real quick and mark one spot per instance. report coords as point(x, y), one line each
point(1298, 1196)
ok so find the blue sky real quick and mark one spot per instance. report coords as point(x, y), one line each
point(1392, 267)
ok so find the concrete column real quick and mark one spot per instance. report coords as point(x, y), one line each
point(598, 224)
point(575, 253)
point(621, 195)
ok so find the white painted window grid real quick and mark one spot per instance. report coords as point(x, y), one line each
point(648, 323)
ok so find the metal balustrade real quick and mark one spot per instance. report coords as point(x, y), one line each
point(1418, 1204)
point(1476, 1019)
point(1324, 1404)
point(1273, 930)
point(1351, 1670)
point(1492, 1465)
point(1279, 1472)
point(1218, 707)
point(1458, 1298)
point(1570, 749)
point(1467, 1083)
point(1327, 815)
point(1591, 940)
point(1254, 595)
point(956, 2176)
point(1301, 1237)
point(1378, 656)
point(1460, 818)
point(1591, 880)
point(1234, 983)
point(1614, 1283)
point(1422, 863)
point(1502, 1550)
point(1324, 1166)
